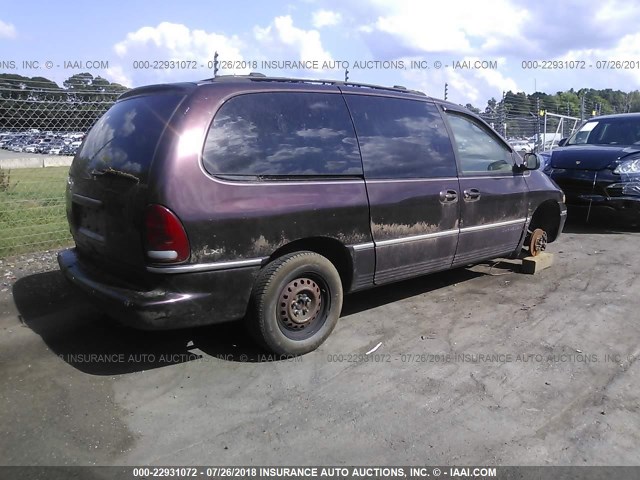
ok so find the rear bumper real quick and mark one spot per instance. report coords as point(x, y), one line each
point(164, 301)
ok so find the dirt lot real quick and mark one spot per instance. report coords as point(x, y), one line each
point(476, 366)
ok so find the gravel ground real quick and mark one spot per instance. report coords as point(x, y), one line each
point(19, 266)
point(78, 389)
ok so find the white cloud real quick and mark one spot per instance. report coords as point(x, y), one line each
point(494, 77)
point(598, 60)
point(179, 42)
point(117, 74)
point(460, 26)
point(281, 38)
point(325, 18)
point(614, 11)
point(431, 82)
point(7, 30)
point(468, 85)
point(173, 41)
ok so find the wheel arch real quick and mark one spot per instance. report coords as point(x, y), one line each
point(547, 217)
point(334, 250)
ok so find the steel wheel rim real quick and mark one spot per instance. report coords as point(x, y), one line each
point(302, 306)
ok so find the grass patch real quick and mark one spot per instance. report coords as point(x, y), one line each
point(32, 210)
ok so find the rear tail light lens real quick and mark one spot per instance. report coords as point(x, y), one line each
point(165, 238)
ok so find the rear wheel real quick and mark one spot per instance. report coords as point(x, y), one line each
point(295, 303)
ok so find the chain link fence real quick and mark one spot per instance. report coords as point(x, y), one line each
point(539, 121)
point(41, 127)
point(532, 128)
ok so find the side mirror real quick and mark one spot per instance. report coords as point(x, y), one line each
point(531, 161)
point(562, 142)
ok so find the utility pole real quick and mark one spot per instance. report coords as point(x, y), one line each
point(215, 64)
point(503, 116)
point(538, 140)
point(346, 75)
point(446, 90)
point(627, 104)
point(582, 108)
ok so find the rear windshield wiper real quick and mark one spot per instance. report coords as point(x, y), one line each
point(117, 173)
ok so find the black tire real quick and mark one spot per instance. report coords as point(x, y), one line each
point(295, 303)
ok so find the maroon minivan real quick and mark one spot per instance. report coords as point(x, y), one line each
point(269, 198)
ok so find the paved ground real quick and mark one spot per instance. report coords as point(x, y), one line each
point(12, 160)
point(8, 154)
point(77, 389)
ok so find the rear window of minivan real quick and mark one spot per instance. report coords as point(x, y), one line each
point(125, 138)
point(282, 134)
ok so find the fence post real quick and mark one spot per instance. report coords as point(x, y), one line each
point(537, 124)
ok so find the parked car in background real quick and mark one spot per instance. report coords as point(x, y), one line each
point(598, 168)
point(521, 146)
point(54, 148)
point(269, 198)
point(48, 143)
point(18, 147)
point(68, 150)
point(32, 148)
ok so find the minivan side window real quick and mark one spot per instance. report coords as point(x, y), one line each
point(282, 134)
point(478, 150)
point(401, 138)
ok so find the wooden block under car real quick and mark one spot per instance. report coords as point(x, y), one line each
point(533, 265)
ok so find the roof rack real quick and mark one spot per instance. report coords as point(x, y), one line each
point(259, 77)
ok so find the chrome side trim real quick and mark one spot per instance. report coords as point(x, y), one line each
point(445, 233)
point(363, 246)
point(493, 225)
point(407, 180)
point(280, 183)
point(414, 238)
point(207, 267)
point(495, 177)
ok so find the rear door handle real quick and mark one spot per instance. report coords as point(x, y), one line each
point(448, 196)
point(471, 194)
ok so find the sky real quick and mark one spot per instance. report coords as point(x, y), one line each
point(479, 49)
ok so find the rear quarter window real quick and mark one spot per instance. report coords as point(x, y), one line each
point(282, 134)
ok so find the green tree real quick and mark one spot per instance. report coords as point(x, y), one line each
point(471, 108)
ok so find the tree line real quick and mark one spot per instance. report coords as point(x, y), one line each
point(38, 102)
point(582, 103)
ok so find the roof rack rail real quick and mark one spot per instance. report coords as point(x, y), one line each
point(260, 77)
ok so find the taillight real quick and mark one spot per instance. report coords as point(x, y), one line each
point(165, 238)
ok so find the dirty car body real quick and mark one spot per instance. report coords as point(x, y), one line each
point(199, 203)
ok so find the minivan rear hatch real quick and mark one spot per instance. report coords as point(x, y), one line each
point(108, 180)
